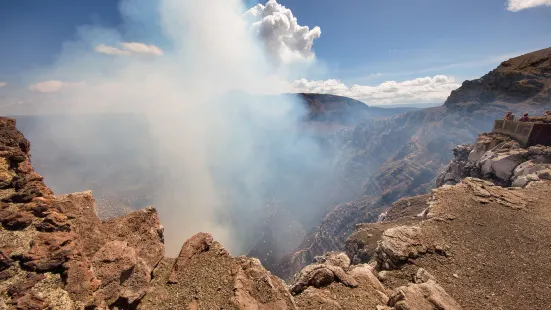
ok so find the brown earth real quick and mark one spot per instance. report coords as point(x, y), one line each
point(487, 246)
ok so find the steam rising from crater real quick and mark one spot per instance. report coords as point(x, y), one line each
point(221, 154)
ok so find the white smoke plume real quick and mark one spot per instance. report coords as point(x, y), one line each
point(220, 154)
point(284, 38)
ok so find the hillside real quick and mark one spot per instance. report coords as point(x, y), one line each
point(521, 81)
point(402, 156)
point(343, 110)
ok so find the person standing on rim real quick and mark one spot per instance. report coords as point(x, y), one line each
point(509, 116)
point(524, 118)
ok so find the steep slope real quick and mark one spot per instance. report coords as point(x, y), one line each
point(522, 81)
point(402, 156)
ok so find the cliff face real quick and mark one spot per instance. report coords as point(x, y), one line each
point(499, 159)
point(521, 80)
point(383, 161)
point(56, 253)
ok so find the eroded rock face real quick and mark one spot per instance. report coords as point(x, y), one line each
point(123, 274)
point(499, 159)
point(516, 80)
point(456, 170)
point(83, 261)
point(424, 296)
point(50, 251)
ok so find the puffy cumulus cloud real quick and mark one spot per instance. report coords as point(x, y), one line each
point(2, 84)
point(284, 39)
point(426, 89)
point(518, 5)
point(129, 48)
point(52, 86)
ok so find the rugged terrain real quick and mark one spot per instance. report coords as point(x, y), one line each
point(468, 244)
point(383, 161)
point(55, 253)
point(473, 245)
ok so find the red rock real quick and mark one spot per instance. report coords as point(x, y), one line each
point(17, 220)
point(21, 287)
point(193, 246)
point(124, 276)
point(143, 232)
point(5, 259)
point(54, 221)
point(50, 250)
point(80, 282)
point(30, 301)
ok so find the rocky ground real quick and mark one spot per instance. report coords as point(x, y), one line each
point(485, 245)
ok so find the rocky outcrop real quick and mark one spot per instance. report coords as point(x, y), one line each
point(466, 249)
point(206, 276)
point(74, 259)
point(424, 296)
point(518, 80)
point(499, 159)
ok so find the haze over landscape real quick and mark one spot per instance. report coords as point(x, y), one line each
point(299, 133)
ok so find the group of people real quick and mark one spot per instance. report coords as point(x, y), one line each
point(511, 117)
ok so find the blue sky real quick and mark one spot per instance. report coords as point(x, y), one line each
point(364, 42)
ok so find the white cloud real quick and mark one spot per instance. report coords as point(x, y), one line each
point(52, 86)
point(426, 90)
point(140, 48)
point(2, 84)
point(518, 5)
point(110, 50)
point(129, 48)
point(283, 37)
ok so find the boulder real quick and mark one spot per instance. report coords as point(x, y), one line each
point(424, 296)
point(320, 275)
point(529, 167)
point(397, 245)
point(502, 165)
point(338, 259)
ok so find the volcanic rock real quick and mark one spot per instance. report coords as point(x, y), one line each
point(50, 250)
point(424, 296)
